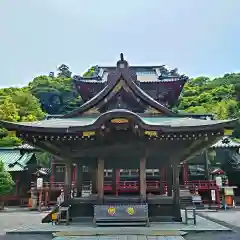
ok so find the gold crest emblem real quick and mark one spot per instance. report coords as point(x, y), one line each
point(111, 211)
point(130, 211)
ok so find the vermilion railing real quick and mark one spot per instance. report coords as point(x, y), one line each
point(128, 186)
point(52, 184)
point(202, 184)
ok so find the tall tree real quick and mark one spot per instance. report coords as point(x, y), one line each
point(6, 183)
point(64, 71)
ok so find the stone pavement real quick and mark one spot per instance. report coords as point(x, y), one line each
point(121, 237)
point(17, 217)
point(23, 220)
point(36, 227)
point(231, 216)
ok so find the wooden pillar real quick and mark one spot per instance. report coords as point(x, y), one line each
point(94, 179)
point(207, 175)
point(53, 166)
point(100, 179)
point(185, 173)
point(75, 173)
point(143, 185)
point(176, 193)
point(169, 180)
point(79, 179)
point(117, 180)
point(161, 179)
point(68, 180)
point(114, 178)
point(17, 185)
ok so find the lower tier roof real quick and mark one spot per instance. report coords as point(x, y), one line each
point(165, 124)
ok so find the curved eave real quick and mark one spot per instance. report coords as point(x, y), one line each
point(127, 75)
point(70, 126)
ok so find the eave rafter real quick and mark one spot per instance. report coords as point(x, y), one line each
point(198, 146)
point(43, 147)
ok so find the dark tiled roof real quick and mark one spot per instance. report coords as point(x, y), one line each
point(68, 124)
point(226, 142)
point(25, 146)
point(20, 147)
point(144, 74)
point(14, 161)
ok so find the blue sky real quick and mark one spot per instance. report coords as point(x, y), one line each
point(199, 37)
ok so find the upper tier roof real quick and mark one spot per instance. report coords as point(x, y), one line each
point(144, 74)
point(159, 82)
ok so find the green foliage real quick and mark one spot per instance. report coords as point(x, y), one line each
point(217, 96)
point(43, 159)
point(6, 182)
point(90, 72)
point(57, 95)
point(17, 104)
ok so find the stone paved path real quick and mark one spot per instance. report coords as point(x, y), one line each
point(121, 237)
point(12, 218)
point(230, 216)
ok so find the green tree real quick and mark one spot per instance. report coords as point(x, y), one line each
point(8, 110)
point(64, 71)
point(6, 183)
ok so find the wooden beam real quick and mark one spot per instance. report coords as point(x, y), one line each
point(100, 179)
point(40, 145)
point(143, 185)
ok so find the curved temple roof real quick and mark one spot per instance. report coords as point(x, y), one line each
point(159, 82)
point(127, 80)
point(165, 124)
point(151, 121)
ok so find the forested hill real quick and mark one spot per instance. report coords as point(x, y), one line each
point(55, 94)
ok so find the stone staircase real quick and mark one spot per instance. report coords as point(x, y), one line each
point(185, 197)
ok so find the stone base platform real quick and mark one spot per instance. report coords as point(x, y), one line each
point(76, 230)
point(121, 237)
point(47, 228)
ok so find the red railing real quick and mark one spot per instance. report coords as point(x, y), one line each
point(202, 184)
point(57, 185)
point(132, 186)
point(107, 186)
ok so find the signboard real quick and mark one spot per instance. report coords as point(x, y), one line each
point(119, 120)
point(88, 134)
point(213, 195)
point(219, 181)
point(228, 132)
point(111, 211)
point(39, 182)
point(228, 191)
point(151, 133)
